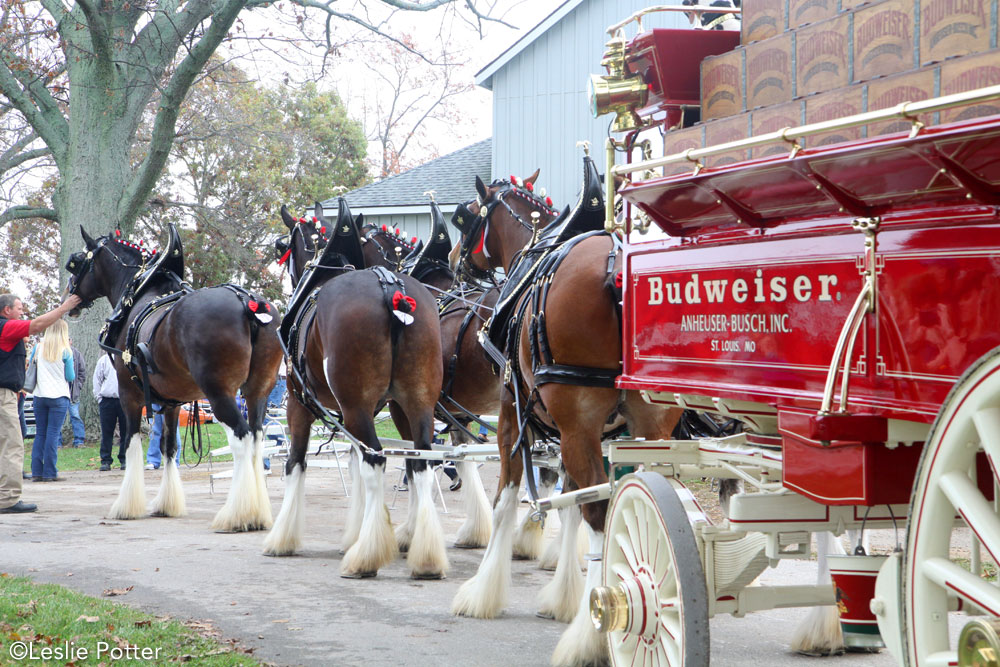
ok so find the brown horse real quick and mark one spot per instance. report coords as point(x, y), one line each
point(470, 385)
point(205, 343)
point(357, 339)
point(567, 329)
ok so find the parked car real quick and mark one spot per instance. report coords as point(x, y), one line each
point(29, 415)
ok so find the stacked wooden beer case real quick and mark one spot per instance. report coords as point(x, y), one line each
point(807, 61)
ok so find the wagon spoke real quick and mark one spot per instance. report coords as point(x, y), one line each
point(668, 581)
point(987, 423)
point(632, 526)
point(627, 551)
point(621, 571)
point(669, 642)
point(976, 510)
point(965, 584)
point(643, 519)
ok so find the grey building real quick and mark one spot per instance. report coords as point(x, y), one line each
point(539, 84)
point(399, 200)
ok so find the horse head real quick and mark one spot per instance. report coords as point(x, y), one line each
point(104, 267)
point(386, 246)
point(305, 239)
point(498, 224)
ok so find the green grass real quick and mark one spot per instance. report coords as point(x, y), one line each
point(88, 457)
point(47, 618)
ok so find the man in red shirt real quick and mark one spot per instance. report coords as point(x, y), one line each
point(13, 331)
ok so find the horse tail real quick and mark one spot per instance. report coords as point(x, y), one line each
point(258, 310)
point(401, 306)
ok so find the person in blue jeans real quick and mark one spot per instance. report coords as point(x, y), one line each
point(153, 455)
point(55, 372)
point(75, 389)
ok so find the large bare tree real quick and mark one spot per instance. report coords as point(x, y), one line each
point(77, 80)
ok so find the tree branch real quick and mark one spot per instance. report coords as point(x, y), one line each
point(56, 9)
point(23, 211)
point(36, 104)
point(325, 7)
point(100, 40)
point(172, 96)
point(155, 47)
point(9, 159)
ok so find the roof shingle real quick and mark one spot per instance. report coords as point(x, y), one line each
point(452, 177)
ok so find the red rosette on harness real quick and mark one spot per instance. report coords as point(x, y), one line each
point(403, 307)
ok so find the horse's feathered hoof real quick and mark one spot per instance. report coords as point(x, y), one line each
point(467, 545)
point(547, 615)
point(159, 514)
point(358, 575)
point(427, 576)
point(822, 653)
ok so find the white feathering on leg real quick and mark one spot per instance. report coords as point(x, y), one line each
point(262, 500)
point(485, 594)
point(170, 499)
point(241, 511)
point(529, 538)
point(131, 501)
point(426, 557)
point(581, 644)
point(355, 504)
point(561, 596)
point(376, 545)
point(286, 534)
point(476, 530)
point(819, 633)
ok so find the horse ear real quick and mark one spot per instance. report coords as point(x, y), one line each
point(481, 188)
point(90, 243)
point(287, 218)
point(359, 221)
point(531, 179)
point(318, 212)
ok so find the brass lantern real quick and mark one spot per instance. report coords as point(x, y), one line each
point(616, 91)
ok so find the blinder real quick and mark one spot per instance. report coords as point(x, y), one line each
point(281, 246)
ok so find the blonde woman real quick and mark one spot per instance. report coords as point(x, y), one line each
point(55, 373)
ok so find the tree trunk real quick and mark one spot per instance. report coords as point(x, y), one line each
point(95, 173)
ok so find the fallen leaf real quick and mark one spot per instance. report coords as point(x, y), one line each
point(111, 592)
point(88, 619)
point(281, 620)
point(69, 574)
point(143, 624)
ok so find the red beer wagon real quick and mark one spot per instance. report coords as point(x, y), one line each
point(842, 300)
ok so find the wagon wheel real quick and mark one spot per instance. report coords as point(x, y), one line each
point(653, 567)
point(946, 488)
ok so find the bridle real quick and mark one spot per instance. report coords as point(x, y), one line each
point(81, 263)
point(312, 243)
point(474, 238)
point(374, 233)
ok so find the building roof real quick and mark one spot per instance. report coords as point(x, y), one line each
point(451, 176)
point(485, 75)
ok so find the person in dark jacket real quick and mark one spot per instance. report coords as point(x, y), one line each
point(13, 331)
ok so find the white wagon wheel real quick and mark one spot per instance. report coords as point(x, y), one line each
point(652, 569)
point(946, 488)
